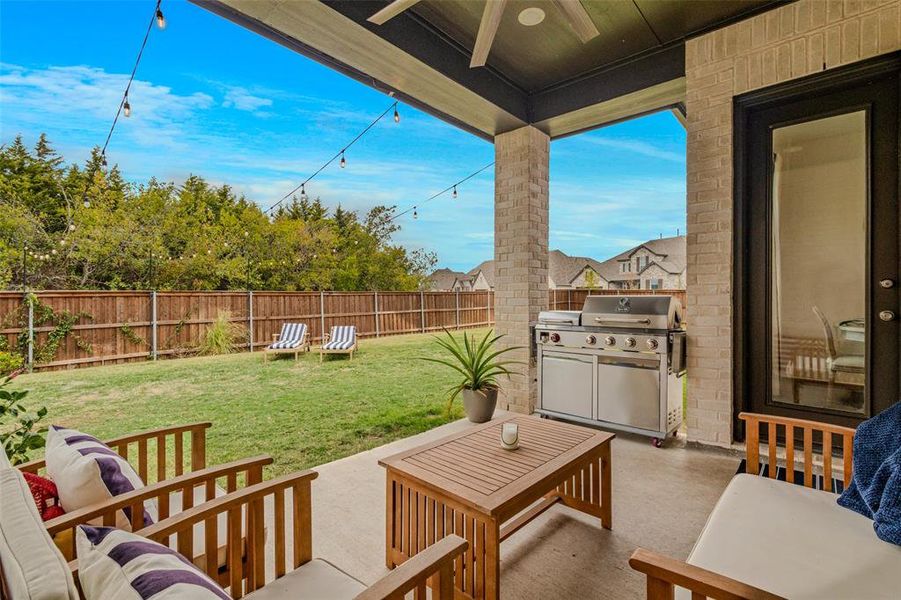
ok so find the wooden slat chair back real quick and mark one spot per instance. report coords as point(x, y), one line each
point(155, 454)
point(288, 523)
point(228, 476)
point(826, 434)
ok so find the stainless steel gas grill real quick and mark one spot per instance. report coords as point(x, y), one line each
point(618, 363)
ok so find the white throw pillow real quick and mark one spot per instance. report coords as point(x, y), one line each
point(87, 471)
point(4, 460)
point(33, 567)
point(117, 564)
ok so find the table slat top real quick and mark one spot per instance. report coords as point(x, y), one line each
point(473, 468)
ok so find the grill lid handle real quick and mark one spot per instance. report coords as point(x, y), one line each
point(644, 321)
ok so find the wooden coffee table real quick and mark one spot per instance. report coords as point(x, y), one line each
point(468, 485)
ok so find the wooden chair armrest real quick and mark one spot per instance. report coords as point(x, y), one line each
point(274, 337)
point(437, 559)
point(664, 573)
point(106, 511)
point(32, 466)
point(789, 426)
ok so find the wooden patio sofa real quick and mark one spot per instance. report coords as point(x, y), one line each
point(768, 539)
point(177, 483)
point(281, 509)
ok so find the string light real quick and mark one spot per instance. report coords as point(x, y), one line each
point(396, 114)
point(449, 188)
point(339, 154)
point(124, 106)
point(303, 192)
point(454, 195)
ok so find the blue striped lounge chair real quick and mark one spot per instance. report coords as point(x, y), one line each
point(291, 340)
point(341, 340)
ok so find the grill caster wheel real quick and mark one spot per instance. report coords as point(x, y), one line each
point(657, 442)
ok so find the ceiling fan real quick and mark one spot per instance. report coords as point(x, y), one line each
point(572, 10)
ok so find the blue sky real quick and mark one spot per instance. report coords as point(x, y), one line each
point(213, 99)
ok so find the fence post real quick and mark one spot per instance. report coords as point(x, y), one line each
point(422, 310)
point(250, 318)
point(569, 299)
point(375, 299)
point(457, 306)
point(488, 307)
point(322, 314)
point(30, 332)
point(153, 325)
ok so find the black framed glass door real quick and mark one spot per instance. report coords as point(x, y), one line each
point(817, 246)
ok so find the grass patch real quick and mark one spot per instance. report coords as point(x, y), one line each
point(301, 413)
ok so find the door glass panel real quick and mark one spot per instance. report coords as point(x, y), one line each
point(818, 225)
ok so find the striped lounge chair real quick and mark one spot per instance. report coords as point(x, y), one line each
point(292, 340)
point(341, 340)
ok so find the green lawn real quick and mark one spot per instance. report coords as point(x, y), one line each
point(302, 413)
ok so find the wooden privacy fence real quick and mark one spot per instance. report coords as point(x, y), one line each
point(122, 326)
point(105, 327)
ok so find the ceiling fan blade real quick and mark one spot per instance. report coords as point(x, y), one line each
point(578, 18)
point(491, 20)
point(390, 11)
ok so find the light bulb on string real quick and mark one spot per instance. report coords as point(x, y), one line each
point(343, 161)
point(126, 108)
point(86, 202)
point(103, 158)
point(454, 195)
point(160, 19)
point(415, 214)
point(303, 192)
point(396, 115)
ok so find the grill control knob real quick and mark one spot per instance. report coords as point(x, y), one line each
point(591, 340)
point(652, 344)
point(630, 342)
point(610, 340)
point(555, 337)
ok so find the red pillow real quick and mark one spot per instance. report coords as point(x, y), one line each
point(45, 496)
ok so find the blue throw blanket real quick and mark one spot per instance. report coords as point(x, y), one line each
point(875, 489)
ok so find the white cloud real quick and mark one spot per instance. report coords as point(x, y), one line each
point(636, 147)
point(240, 98)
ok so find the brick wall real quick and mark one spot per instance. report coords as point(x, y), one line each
point(520, 251)
point(792, 41)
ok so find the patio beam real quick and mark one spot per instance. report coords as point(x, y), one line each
point(520, 252)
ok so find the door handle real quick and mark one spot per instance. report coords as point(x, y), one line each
point(887, 315)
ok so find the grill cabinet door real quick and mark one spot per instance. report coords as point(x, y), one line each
point(566, 383)
point(629, 392)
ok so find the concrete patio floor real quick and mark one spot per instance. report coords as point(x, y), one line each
point(661, 499)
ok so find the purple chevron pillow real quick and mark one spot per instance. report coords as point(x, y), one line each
point(87, 471)
point(117, 564)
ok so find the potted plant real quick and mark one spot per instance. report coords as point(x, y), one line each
point(476, 361)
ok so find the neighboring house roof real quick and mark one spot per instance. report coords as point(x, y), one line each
point(487, 270)
point(444, 279)
point(670, 256)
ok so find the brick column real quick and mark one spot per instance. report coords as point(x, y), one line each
point(520, 251)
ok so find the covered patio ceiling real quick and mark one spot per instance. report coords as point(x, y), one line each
point(584, 64)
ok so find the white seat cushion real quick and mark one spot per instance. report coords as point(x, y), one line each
point(315, 580)
point(795, 542)
point(32, 566)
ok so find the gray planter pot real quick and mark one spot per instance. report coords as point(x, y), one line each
point(479, 404)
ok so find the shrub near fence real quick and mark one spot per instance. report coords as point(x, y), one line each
point(124, 326)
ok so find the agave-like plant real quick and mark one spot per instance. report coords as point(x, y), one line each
point(476, 360)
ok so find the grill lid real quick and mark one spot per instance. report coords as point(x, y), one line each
point(638, 312)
